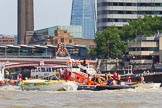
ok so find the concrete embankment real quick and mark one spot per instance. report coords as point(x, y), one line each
point(151, 77)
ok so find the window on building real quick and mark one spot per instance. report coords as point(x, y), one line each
point(70, 41)
point(56, 42)
point(62, 39)
point(121, 4)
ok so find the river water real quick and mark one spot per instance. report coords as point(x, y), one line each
point(128, 98)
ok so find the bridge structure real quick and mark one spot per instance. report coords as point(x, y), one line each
point(29, 62)
point(15, 61)
point(8, 63)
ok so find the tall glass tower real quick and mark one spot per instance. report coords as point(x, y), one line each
point(84, 14)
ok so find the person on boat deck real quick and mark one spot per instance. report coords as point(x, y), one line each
point(114, 82)
point(142, 78)
point(115, 75)
point(98, 71)
point(108, 76)
point(62, 71)
point(19, 77)
point(94, 78)
point(99, 80)
point(128, 79)
point(110, 80)
point(118, 79)
point(118, 76)
point(58, 74)
point(89, 82)
point(84, 62)
point(26, 78)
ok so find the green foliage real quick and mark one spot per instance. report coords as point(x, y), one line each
point(12, 70)
point(109, 44)
point(92, 52)
point(147, 26)
point(112, 42)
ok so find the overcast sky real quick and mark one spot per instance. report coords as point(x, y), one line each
point(47, 13)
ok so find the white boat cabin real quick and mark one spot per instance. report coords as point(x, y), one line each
point(79, 66)
point(45, 71)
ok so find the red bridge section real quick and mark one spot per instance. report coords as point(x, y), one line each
point(26, 62)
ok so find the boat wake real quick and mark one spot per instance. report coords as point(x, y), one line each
point(10, 88)
point(149, 86)
point(70, 86)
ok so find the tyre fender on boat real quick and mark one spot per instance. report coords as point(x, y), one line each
point(2, 82)
point(11, 82)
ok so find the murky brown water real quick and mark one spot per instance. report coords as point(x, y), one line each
point(131, 98)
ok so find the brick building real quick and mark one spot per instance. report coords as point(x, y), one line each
point(65, 37)
point(4, 40)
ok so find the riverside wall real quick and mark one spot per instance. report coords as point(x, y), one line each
point(153, 77)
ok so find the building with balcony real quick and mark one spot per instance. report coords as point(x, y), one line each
point(119, 12)
point(146, 52)
point(7, 40)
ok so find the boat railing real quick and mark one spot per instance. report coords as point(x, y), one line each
point(44, 69)
point(83, 67)
point(73, 69)
point(51, 77)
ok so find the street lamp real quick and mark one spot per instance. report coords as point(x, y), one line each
point(107, 49)
point(134, 62)
point(116, 64)
point(107, 54)
point(152, 68)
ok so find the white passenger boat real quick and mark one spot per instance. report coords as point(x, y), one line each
point(48, 85)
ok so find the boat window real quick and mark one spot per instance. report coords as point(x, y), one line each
point(39, 70)
point(49, 69)
point(32, 70)
point(53, 69)
point(43, 69)
point(74, 66)
point(68, 65)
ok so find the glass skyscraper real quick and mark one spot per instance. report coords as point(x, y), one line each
point(83, 13)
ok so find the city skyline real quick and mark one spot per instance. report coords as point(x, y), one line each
point(46, 13)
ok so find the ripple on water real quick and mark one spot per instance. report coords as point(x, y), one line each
point(25, 106)
point(129, 98)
